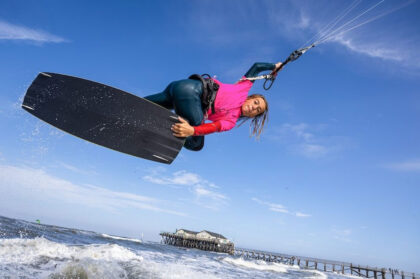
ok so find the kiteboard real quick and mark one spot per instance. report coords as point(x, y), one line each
point(105, 116)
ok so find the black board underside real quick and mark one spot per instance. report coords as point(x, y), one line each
point(104, 115)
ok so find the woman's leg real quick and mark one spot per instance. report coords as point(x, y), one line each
point(163, 99)
point(186, 96)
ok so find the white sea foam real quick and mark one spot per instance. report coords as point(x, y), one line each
point(260, 265)
point(121, 238)
point(27, 251)
point(149, 269)
point(88, 269)
point(321, 274)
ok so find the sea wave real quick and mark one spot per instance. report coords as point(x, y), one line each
point(121, 238)
point(260, 265)
point(29, 250)
point(39, 258)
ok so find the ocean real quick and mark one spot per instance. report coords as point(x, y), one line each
point(32, 250)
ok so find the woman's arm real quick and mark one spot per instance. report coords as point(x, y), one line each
point(261, 67)
point(208, 128)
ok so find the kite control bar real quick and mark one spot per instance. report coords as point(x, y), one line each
point(292, 57)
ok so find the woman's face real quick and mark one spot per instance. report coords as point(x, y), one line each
point(253, 107)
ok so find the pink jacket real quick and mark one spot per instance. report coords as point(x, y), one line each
point(229, 99)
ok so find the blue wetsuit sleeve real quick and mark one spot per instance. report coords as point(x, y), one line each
point(258, 68)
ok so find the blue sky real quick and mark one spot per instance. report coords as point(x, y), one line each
point(335, 175)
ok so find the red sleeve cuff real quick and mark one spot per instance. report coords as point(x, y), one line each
point(205, 129)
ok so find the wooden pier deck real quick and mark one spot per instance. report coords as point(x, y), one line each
point(326, 265)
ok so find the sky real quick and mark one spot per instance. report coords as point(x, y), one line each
point(335, 174)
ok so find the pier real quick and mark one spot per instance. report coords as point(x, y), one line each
point(327, 265)
point(214, 242)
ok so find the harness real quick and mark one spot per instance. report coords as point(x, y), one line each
point(210, 89)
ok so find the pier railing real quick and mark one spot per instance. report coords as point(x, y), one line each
point(327, 265)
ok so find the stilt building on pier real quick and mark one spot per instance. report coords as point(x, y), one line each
point(204, 240)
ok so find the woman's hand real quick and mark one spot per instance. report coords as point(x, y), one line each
point(278, 65)
point(183, 129)
point(276, 69)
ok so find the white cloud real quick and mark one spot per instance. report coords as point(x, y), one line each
point(209, 199)
point(411, 165)
point(279, 208)
point(303, 215)
point(178, 178)
point(272, 206)
point(300, 130)
point(202, 192)
point(29, 183)
point(371, 49)
point(201, 188)
point(10, 31)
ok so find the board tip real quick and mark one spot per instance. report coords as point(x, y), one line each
point(45, 74)
point(161, 158)
point(27, 107)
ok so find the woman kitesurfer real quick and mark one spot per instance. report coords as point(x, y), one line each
point(228, 103)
